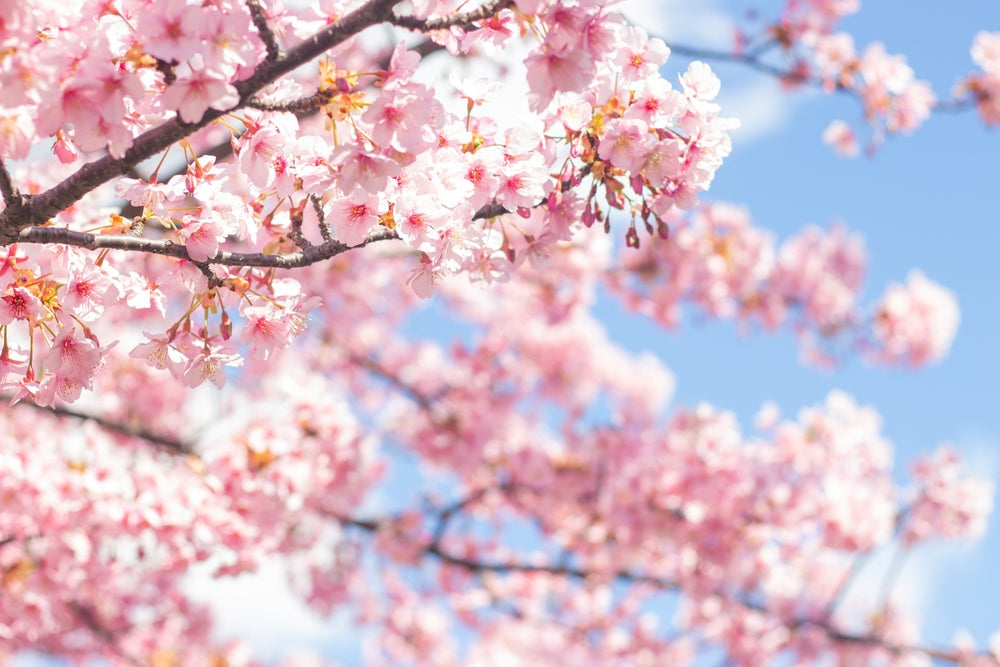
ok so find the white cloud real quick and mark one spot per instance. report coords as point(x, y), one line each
point(698, 24)
point(760, 104)
point(261, 610)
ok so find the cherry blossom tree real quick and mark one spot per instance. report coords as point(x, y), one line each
point(219, 218)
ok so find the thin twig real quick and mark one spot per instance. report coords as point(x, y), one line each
point(7, 187)
point(167, 248)
point(170, 444)
point(447, 513)
point(89, 618)
point(373, 367)
point(295, 230)
point(477, 566)
point(324, 227)
point(753, 59)
point(266, 34)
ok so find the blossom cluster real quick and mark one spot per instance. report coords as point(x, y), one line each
point(893, 99)
point(984, 87)
point(389, 156)
point(97, 97)
point(808, 36)
point(720, 262)
point(101, 532)
point(756, 532)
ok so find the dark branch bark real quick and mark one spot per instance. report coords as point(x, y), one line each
point(7, 187)
point(266, 34)
point(167, 248)
point(310, 254)
point(170, 444)
point(304, 105)
point(88, 617)
point(478, 566)
point(464, 20)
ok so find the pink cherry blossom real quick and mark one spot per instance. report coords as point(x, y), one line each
point(17, 133)
point(160, 354)
point(401, 118)
point(72, 356)
point(265, 330)
point(354, 218)
point(915, 322)
point(207, 364)
point(625, 144)
point(639, 57)
point(172, 30)
point(948, 504)
point(839, 135)
point(358, 168)
point(198, 89)
point(20, 304)
point(522, 183)
point(699, 82)
point(202, 237)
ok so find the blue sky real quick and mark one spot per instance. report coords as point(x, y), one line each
point(928, 201)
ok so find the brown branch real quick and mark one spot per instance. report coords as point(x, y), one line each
point(169, 444)
point(89, 618)
point(373, 367)
point(447, 513)
point(167, 248)
point(463, 20)
point(7, 187)
point(750, 59)
point(303, 105)
point(324, 227)
point(264, 30)
point(477, 566)
point(311, 254)
point(295, 229)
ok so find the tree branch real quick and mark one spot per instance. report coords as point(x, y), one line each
point(311, 254)
point(751, 59)
point(447, 513)
point(463, 20)
point(89, 618)
point(7, 187)
point(477, 566)
point(266, 34)
point(170, 444)
point(167, 248)
point(754, 60)
point(373, 367)
point(303, 105)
